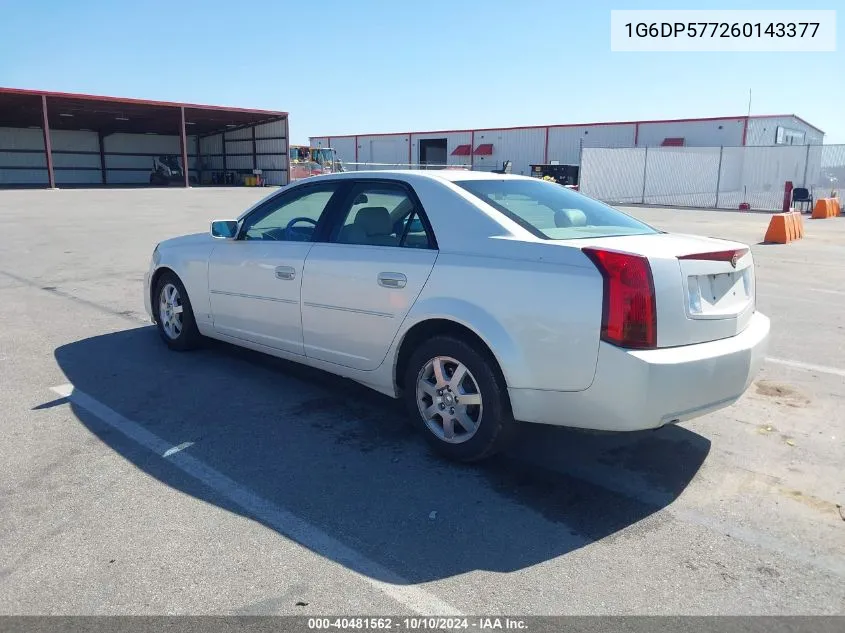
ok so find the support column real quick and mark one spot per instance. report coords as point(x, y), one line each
point(806, 164)
point(199, 160)
point(546, 148)
point(645, 172)
point(100, 138)
point(288, 175)
point(48, 148)
point(254, 156)
point(719, 176)
point(183, 138)
point(472, 150)
point(580, 160)
point(223, 149)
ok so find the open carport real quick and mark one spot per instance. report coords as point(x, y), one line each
point(52, 139)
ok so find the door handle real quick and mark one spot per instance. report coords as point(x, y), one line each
point(285, 272)
point(392, 280)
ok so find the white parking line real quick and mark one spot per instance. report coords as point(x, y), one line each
point(831, 292)
point(176, 449)
point(284, 522)
point(797, 364)
point(788, 299)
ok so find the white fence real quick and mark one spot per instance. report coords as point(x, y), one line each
point(718, 177)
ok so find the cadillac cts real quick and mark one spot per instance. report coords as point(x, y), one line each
point(482, 299)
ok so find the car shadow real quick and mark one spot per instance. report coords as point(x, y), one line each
point(344, 459)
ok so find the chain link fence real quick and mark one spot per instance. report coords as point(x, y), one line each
point(715, 177)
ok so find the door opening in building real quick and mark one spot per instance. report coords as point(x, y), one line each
point(433, 153)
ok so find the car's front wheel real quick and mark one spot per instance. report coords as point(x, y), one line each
point(174, 315)
point(453, 391)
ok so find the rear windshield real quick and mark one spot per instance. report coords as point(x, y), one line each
point(552, 211)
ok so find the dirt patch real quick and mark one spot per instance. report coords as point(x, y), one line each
point(782, 393)
point(826, 507)
point(768, 388)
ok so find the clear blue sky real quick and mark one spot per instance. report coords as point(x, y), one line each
point(342, 67)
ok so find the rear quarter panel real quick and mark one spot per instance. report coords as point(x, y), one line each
point(540, 318)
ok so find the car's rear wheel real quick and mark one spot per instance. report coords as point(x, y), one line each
point(174, 315)
point(455, 394)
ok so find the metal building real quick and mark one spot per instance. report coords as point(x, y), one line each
point(489, 148)
point(56, 139)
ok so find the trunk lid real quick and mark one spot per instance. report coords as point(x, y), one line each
point(704, 287)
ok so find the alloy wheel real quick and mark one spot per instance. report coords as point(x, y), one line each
point(449, 400)
point(170, 311)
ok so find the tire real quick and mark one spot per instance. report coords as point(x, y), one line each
point(491, 418)
point(177, 329)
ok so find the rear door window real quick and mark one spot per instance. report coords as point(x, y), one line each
point(382, 214)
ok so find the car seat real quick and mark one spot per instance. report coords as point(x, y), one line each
point(371, 226)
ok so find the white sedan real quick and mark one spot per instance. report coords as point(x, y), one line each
point(481, 299)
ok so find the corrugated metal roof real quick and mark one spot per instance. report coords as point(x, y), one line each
point(596, 123)
point(128, 100)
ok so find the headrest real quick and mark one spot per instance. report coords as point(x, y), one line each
point(374, 220)
point(570, 217)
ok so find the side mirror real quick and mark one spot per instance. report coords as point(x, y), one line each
point(224, 229)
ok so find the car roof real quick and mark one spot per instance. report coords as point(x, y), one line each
point(449, 175)
point(406, 175)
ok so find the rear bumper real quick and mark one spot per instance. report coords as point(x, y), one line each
point(635, 390)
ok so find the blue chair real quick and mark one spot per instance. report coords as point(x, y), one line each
point(800, 197)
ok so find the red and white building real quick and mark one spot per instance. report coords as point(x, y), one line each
point(489, 148)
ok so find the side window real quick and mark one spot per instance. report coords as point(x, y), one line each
point(382, 214)
point(294, 219)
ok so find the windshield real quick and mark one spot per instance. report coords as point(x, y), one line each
point(553, 212)
point(323, 156)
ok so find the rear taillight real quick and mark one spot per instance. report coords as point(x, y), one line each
point(629, 311)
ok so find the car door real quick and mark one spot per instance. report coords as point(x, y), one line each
point(254, 281)
point(359, 285)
